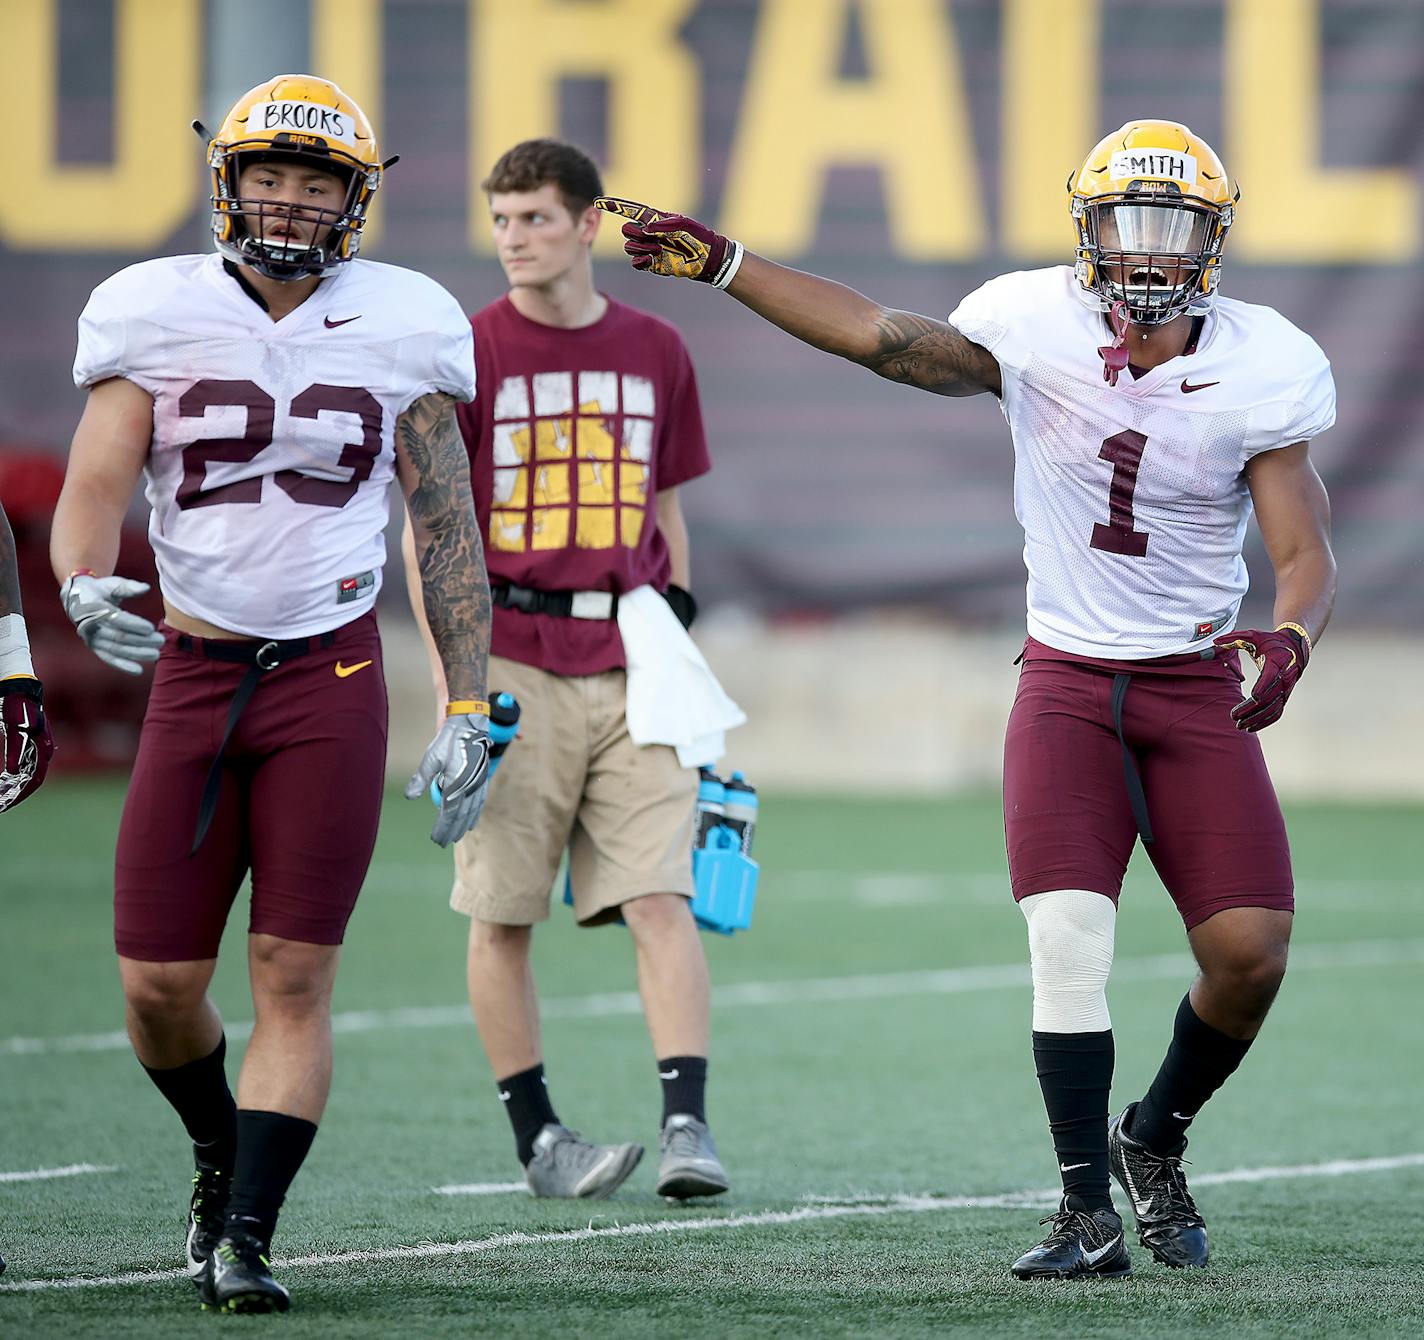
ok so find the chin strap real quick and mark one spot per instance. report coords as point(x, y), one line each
point(1114, 355)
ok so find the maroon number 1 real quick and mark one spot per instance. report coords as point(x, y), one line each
point(1124, 451)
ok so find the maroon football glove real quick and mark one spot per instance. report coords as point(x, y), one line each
point(25, 742)
point(1280, 657)
point(673, 244)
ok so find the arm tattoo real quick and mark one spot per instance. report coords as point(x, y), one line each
point(9, 571)
point(451, 557)
point(931, 355)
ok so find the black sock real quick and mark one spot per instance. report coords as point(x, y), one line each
point(526, 1099)
point(271, 1147)
point(199, 1094)
point(684, 1080)
point(1197, 1064)
point(1075, 1074)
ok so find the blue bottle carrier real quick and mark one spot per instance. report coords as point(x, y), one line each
point(725, 882)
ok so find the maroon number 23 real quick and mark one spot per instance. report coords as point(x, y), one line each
point(358, 457)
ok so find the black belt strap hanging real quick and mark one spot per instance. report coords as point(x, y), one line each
point(259, 656)
point(1136, 796)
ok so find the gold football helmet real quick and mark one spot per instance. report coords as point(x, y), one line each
point(308, 119)
point(1152, 204)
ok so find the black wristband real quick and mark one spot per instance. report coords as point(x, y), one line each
point(28, 686)
point(682, 604)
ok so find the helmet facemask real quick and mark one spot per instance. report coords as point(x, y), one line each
point(260, 233)
point(1150, 249)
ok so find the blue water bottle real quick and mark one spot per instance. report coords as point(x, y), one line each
point(740, 810)
point(504, 725)
point(711, 805)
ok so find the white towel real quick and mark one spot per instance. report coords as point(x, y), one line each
point(673, 696)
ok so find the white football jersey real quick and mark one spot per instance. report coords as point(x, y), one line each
point(1132, 497)
point(273, 442)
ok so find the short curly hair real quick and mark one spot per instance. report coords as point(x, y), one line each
point(535, 163)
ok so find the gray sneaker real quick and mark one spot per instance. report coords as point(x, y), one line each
point(568, 1167)
point(690, 1166)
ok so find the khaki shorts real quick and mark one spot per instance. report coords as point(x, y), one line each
point(573, 779)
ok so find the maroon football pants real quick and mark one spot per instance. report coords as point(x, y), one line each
point(298, 805)
point(1218, 836)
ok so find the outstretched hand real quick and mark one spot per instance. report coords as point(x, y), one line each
point(673, 244)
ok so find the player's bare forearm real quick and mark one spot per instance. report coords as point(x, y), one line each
point(1293, 512)
point(899, 346)
point(1305, 591)
point(415, 591)
point(86, 528)
point(106, 457)
point(9, 570)
point(435, 475)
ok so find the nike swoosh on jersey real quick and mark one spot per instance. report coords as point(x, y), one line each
point(342, 671)
point(345, 320)
point(1188, 388)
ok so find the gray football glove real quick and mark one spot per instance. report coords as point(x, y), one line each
point(458, 761)
point(125, 641)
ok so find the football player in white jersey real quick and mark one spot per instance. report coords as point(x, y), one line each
point(1148, 418)
point(269, 393)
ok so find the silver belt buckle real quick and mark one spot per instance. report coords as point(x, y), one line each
point(591, 605)
point(267, 658)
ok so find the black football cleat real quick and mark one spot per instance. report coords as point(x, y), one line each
point(1168, 1222)
point(211, 1186)
point(238, 1277)
point(1081, 1244)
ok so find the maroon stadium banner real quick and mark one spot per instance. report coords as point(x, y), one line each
point(911, 148)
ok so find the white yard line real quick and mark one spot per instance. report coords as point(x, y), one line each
point(850, 1209)
point(481, 1188)
point(48, 1174)
point(803, 991)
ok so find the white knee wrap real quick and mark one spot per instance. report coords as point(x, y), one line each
point(1070, 942)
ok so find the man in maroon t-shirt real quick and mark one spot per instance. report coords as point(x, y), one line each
point(586, 420)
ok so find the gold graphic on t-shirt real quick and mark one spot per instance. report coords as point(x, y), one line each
point(551, 485)
point(551, 528)
point(595, 483)
point(532, 506)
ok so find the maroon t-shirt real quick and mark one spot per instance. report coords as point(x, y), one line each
point(572, 435)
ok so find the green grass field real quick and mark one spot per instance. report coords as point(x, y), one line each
point(869, 1078)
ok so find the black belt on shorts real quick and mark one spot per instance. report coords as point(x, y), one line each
point(1136, 795)
point(561, 604)
point(258, 656)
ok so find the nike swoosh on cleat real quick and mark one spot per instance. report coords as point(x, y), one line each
point(1182, 1116)
point(1068, 1167)
point(1093, 1257)
point(345, 320)
point(342, 671)
point(1188, 388)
